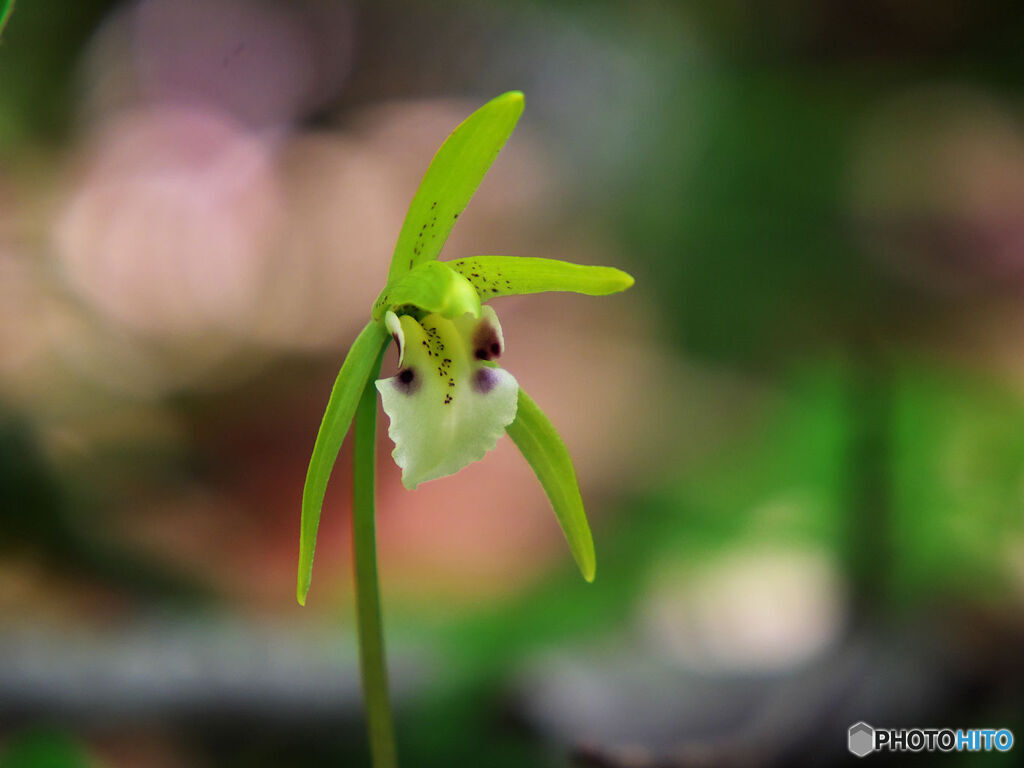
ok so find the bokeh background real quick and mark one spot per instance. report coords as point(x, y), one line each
point(800, 436)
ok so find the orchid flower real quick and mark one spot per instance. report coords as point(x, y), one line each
point(449, 402)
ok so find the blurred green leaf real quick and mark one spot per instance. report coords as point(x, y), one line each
point(738, 217)
point(433, 287)
point(40, 54)
point(784, 481)
point(929, 506)
point(348, 387)
point(495, 276)
point(6, 9)
point(453, 176)
point(958, 484)
point(545, 452)
point(45, 749)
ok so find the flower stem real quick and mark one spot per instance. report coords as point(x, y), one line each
point(364, 543)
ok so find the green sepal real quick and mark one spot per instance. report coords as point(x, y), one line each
point(433, 287)
point(494, 276)
point(361, 365)
point(451, 179)
point(545, 452)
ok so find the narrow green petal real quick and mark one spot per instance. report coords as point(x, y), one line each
point(434, 287)
point(495, 276)
point(453, 176)
point(361, 364)
point(545, 452)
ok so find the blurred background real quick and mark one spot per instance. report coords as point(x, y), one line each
point(800, 436)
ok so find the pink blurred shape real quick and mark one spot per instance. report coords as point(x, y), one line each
point(169, 229)
point(937, 184)
point(266, 63)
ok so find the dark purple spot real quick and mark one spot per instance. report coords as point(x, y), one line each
point(486, 345)
point(485, 380)
point(407, 382)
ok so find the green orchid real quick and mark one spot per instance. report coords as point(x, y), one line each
point(449, 402)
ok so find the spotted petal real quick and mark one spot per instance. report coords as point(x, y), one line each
point(448, 404)
point(451, 179)
point(494, 276)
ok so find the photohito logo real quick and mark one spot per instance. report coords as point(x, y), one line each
point(863, 739)
point(860, 739)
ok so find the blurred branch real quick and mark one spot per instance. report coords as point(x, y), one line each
point(869, 513)
point(184, 665)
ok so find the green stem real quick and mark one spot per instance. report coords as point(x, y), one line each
point(364, 544)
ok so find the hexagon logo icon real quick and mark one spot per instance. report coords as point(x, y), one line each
point(860, 739)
